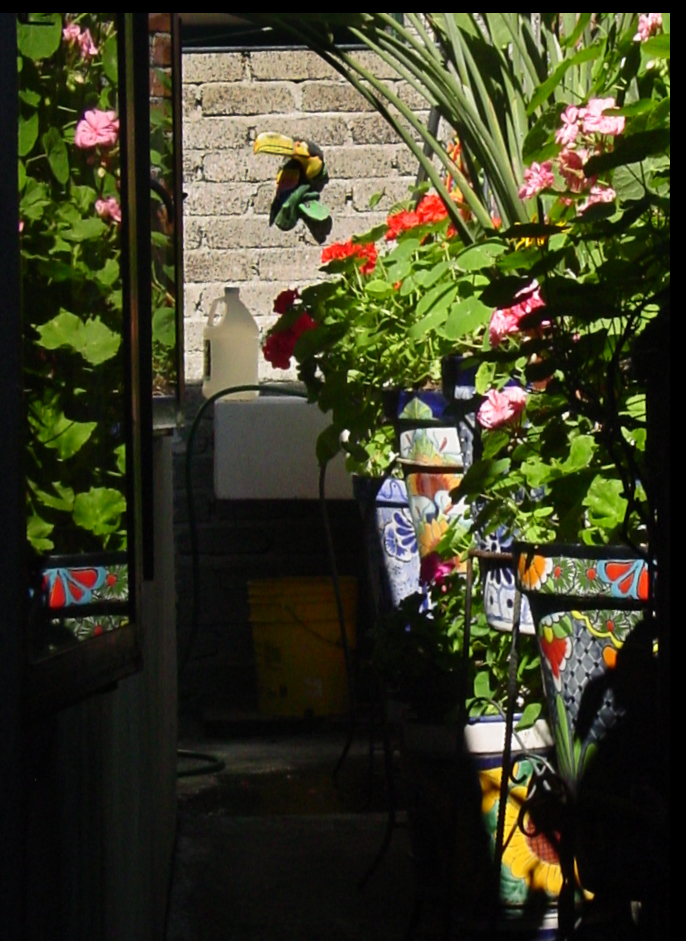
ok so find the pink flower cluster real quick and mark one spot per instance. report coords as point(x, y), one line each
point(501, 408)
point(435, 569)
point(577, 136)
point(97, 129)
point(537, 177)
point(648, 25)
point(109, 209)
point(73, 35)
point(508, 320)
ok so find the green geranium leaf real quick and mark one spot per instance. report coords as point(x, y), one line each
point(54, 430)
point(121, 458)
point(84, 230)
point(405, 249)
point(438, 293)
point(62, 498)
point(40, 41)
point(493, 442)
point(22, 175)
point(37, 532)
point(164, 326)
point(606, 503)
point(28, 134)
point(481, 474)
point(479, 256)
point(580, 454)
point(108, 274)
point(484, 377)
point(376, 198)
point(100, 510)
point(466, 317)
point(110, 60)
point(379, 288)
point(58, 157)
point(92, 339)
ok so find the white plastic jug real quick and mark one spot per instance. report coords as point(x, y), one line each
point(231, 347)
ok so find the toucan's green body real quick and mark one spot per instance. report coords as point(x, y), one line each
point(299, 182)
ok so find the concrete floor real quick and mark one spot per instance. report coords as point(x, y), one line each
point(270, 850)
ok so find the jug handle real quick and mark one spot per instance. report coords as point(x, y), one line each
point(213, 307)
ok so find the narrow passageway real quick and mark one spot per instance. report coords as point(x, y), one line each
point(270, 850)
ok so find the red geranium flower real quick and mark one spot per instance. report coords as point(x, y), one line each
point(348, 249)
point(431, 209)
point(285, 300)
point(400, 222)
point(278, 347)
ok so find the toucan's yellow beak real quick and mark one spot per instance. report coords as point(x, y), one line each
point(269, 143)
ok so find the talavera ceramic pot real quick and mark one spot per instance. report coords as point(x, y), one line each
point(391, 543)
point(585, 603)
point(432, 460)
point(453, 795)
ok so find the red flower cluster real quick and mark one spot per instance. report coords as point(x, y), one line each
point(400, 222)
point(430, 209)
point(278, 347)
point(347, 249)
point(285, 300)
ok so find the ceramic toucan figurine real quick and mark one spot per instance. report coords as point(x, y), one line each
point(300, 180)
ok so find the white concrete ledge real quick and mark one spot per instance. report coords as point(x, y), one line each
point(265, 449)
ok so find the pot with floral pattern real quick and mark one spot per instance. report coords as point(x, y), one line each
point(585, 602)
point(391, 542)
point(432, 460)
point(498, 579)
point(454, 792)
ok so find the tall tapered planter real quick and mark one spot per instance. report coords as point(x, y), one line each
point(585, 602)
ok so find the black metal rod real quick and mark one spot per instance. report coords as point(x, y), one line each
point(13, 588)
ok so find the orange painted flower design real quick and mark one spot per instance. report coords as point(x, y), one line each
point(534, 571)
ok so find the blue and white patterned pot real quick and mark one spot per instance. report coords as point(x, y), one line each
point(390, 540)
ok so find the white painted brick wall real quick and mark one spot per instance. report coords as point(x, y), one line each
point(229, 98)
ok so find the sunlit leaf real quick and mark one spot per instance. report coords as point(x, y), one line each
point(100, 510)
point(92, 339)
point(37, 531)
point(42, 41)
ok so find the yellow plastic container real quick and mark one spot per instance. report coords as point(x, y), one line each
point(298, 645)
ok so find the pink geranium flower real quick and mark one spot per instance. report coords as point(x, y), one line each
point(537, 177)
point(88, 47)
point(598, 194)
point(571, 164)
point(569, 131)
point(508, 320)
point(501, 408)
point(434, 569)
point(594, 121)
point(71, 33)
point(109, 209)
point(97, 128)
point(648, 26)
